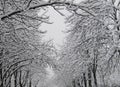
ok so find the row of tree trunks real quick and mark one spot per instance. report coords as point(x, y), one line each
point(16, 80)
point(89, 79)
point(20, 80)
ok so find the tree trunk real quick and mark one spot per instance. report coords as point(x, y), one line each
point(9, 84)
point(30, 84)
point(82, 83)
point(94, 68)
point(20, 79)
point(73, 83)
point(95, 79)
point(1, 70)
point(94, 74)
point(89, 78)
point(1, 80)
point(79, 84)
point(15, 79)
point(84, 79)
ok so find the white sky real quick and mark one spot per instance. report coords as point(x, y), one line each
point(55, 30)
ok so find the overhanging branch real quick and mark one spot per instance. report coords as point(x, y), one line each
point(44, 5)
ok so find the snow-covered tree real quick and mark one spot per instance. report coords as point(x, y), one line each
point(92, 46)
point(21, 45)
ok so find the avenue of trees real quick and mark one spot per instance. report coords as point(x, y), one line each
point(89, 56)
